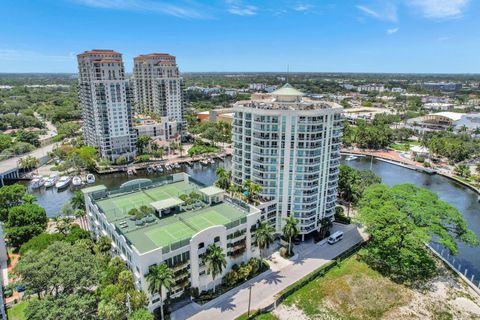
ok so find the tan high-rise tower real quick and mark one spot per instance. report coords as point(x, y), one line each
point(158, 86)
point(105, 99)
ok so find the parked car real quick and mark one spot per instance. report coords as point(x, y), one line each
point(335, 237)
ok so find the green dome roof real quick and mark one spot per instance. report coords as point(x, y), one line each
point(287, 90)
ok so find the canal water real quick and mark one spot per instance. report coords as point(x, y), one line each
point(461, 197)
point(52, 200)
point(456, 194)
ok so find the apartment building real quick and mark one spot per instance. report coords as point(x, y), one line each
point(177, 233)
point(106, 102)
point(290, 146)
point(157, 129)
point(158, 86)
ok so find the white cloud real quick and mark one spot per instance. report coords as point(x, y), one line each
point(163, 7)
point(243, 10)
point(32, 56)
point(387, 12)
point(302, 7)
point(392, 30)
point(440, 8)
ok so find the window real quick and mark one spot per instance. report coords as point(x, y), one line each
point(201, 245)
point(217, 239)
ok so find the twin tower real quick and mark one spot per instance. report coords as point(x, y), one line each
point(109, 99)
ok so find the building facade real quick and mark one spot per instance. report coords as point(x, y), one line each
point(290, 146)
point(157, 129)
point(158, 86)
point(106, 102)
point(177, 233)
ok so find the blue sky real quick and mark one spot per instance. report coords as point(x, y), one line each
point(430, 36)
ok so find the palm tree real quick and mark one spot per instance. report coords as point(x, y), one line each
point(173, 146)
point(28, 162)
point(78, 201)
point(161, 153)
point(252, 188)
point(180, 148)
point(264, 235)
point(224, 178)
point(290, 230)
point(159, 277)
point(215, 261)
point(325, 225)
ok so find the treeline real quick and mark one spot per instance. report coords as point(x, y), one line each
point(454, 147)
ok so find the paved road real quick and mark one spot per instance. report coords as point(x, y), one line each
point(266, 286)
point(12, 163)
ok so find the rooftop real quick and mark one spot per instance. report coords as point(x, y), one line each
point(287, 90)
point(169, 232)
point(286, 98)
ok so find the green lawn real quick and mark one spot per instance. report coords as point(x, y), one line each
point(350, 291)
point(401, 146)
point(16, 312)
point(263, 316)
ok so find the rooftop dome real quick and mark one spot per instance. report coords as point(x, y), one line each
point(287, 93)
point(287, 90)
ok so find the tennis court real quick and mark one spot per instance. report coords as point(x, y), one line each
point(118, 207)
point(170, 190)
point(170, 233)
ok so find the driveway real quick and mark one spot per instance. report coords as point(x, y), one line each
point(283, 273)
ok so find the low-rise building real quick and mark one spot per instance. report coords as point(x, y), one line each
point(177, 233)
point(161, 129)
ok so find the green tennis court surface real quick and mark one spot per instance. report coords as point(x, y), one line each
point(117, 207)
point(182, 226)
point(169, 230)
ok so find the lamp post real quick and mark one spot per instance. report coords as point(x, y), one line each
point(249, 300)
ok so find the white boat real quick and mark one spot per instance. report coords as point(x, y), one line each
point(177, 166)
point(52, 179)
point(37, 182)
point(150, 169)
point(130, 172)
point(350, 158)
point(159, 168)
point(63, 182)
point(204, 162)
point(77, 181)
point(167, 167)
point(211, 161)
point(90, 178)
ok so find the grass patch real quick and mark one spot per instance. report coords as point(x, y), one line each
point(16, 312)
point(352, 290)
point(258, 316)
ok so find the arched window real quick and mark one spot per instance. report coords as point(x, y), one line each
point(201, 245)
point(217, 239)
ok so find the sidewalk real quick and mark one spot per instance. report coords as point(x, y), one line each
point(265, 286)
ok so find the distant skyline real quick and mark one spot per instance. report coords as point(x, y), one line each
point(373, 36)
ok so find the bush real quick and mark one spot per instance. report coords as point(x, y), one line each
point(201, 148)
point(143, 158)
point(427, 164)
point(341, 218)
point(419, 159)
point(121, 160)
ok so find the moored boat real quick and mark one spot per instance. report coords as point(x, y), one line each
point(77, 181)
point(90, 178)
point(63, 182)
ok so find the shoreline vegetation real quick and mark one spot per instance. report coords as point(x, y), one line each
point(407, 166)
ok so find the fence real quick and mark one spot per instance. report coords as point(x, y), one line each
point(459, 266)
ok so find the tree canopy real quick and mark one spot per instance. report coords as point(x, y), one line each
point(24, 222)
point(401, 220)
